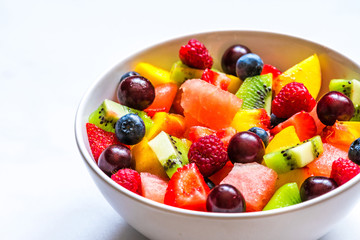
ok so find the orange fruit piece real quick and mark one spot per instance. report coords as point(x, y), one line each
point(208, 104)
point(164, 97)
point(341, 133)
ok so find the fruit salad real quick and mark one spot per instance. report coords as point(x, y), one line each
point(248, 137)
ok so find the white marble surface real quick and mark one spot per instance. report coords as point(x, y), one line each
point(51, 51)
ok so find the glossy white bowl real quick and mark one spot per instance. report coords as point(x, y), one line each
point(308, 220)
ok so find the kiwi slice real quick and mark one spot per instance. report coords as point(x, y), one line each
point(286, 195)
point(350, 88)
point(180, 72)
point(256, 92)
point(298, 156)
point(171, 151)
point(107, 114)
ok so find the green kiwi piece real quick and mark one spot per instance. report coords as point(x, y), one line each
point(298, 156)
point(287, 195)
point(180, 72)
point(107, 114)
point(350, 88)
point(256, 92)
point(171, 151)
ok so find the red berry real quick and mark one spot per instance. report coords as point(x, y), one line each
point(292, 98)
point(270, 69)
point(195, 55)
point(343, 170)
point(209, 154)
point(99, 139)
point(218, 79)
point(129, 179)
point(187, 189)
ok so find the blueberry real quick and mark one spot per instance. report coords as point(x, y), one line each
point(354, 151)
point(274, 120)
point(210, 183)
point(249, 65)
point(128, 74)
point(130, 129)
point(261, 133)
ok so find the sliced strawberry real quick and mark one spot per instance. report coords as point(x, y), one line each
point(225, 134)
point(218, 79)
point(187, 189)
point(99, 139)
point(196, 132)
point(304, 124)
point(222, 173)
point(271, 69)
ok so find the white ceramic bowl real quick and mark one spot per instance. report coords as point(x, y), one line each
point(308, 220)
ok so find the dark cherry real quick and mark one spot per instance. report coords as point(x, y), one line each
point(316, 186)
point(136, 92)
point(225, 198)
point(113, 158)
point(334, 106)
point(246, 147)
point(230, 57)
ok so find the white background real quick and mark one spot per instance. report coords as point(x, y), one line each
point(51, 52)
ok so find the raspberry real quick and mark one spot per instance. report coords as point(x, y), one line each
point(195, 55)
point(343, 170)
point(292, 98)
point(129, 179)
point(209, 154)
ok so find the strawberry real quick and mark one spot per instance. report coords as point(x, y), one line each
point(195, 55)
point(267, 68)
point(218, 79)
point(99, 139)
point(129, 179)
point(187, 189)
point(225, 134)
point(304, 124)
point(343, 170)
point(292, 98)
point(196, 132)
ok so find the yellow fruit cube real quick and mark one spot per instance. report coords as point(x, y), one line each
point(235, 83)
point(146, 160)
point(284, 139)
point(247, 118)
point(307, 72)
point(154, 74)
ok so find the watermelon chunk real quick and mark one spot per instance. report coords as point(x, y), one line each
point(322, 165)
point(153, 187)
point(255, 182)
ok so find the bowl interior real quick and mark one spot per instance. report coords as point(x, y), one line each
point(276, 49)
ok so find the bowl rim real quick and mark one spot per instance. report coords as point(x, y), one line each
point(81, 144)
